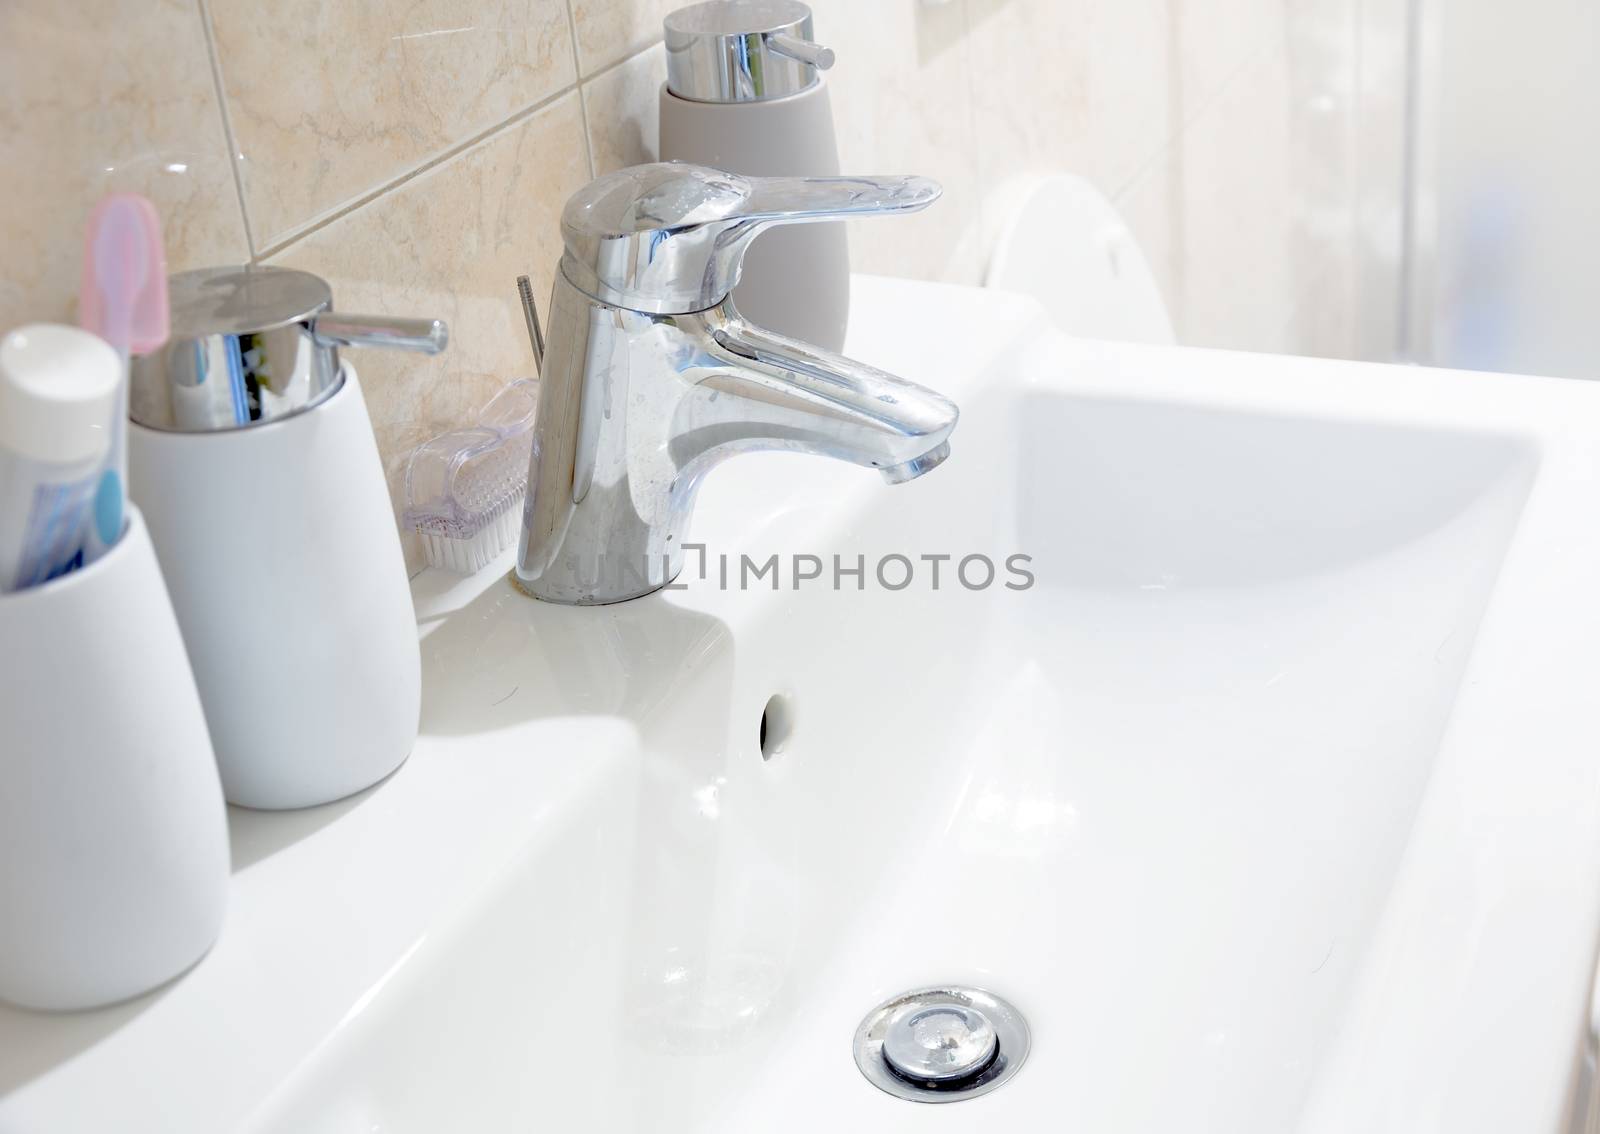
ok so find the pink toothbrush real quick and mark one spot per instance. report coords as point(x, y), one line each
point(123, 299)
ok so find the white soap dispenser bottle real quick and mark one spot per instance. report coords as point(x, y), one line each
point(253, 458)
point(745, 93)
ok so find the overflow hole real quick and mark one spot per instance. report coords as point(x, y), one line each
point(777, 725)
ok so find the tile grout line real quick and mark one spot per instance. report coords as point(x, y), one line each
point(578, 84)
point(438, 159)
point(461, 147)
point(228, 136)
point(618, 64)
point(1187, 122)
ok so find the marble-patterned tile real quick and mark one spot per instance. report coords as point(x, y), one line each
point(1215, 218)
point(1214, 39)
point(622, 107)
point(330, 101)
point(97, 96)
point(611, 30)
point(1068, 86)
point(1135, 109)
point(1152, 208)
point(900, 94)
point(1235, 185)
point(1247, 218)
point(1030, 92)
point(450, 244)
point(1324, 321)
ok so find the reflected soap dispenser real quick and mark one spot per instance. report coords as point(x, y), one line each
point(253, 459)
point(745, 93)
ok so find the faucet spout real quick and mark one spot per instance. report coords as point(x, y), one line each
point(773, 392)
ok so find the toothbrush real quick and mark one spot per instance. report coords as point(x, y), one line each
point(123, 299)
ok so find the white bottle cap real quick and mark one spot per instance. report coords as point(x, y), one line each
point(58, 390)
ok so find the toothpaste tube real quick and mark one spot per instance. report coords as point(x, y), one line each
point(58, 391)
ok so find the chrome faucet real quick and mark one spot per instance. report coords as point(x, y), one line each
point(651, 377)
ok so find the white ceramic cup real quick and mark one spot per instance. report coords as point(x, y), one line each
point(113, 834)
point(280, 544)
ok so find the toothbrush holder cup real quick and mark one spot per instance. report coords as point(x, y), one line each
point(112, 826)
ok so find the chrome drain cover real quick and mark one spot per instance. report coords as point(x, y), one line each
point(941, 1044)
point(938, 1042)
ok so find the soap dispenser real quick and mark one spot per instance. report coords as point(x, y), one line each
point(745, 93)
point(252, 456)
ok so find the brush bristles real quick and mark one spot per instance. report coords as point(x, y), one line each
point(472, 554)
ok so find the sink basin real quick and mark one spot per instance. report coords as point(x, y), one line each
point(1266, 790)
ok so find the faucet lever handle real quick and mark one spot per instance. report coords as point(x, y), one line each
point(670, 238)
point(423, 336)
point(795, 200)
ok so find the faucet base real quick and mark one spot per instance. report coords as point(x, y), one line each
point(600, 579)
point(530, 591)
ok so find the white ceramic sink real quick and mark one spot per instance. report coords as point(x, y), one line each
point(1273, 804)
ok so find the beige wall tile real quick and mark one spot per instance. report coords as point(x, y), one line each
point(611, 30)
point(1135, 107)
point(623, 111)
point(98, 96)
point(1223, 129)
point(1030, 84)
point(1079, 86)
point(1247, 218)
point(331, 100)
point(1323, 323)
point(450, 244)
point(1152, 207)
point(1239, 279)
point(1216, 38)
